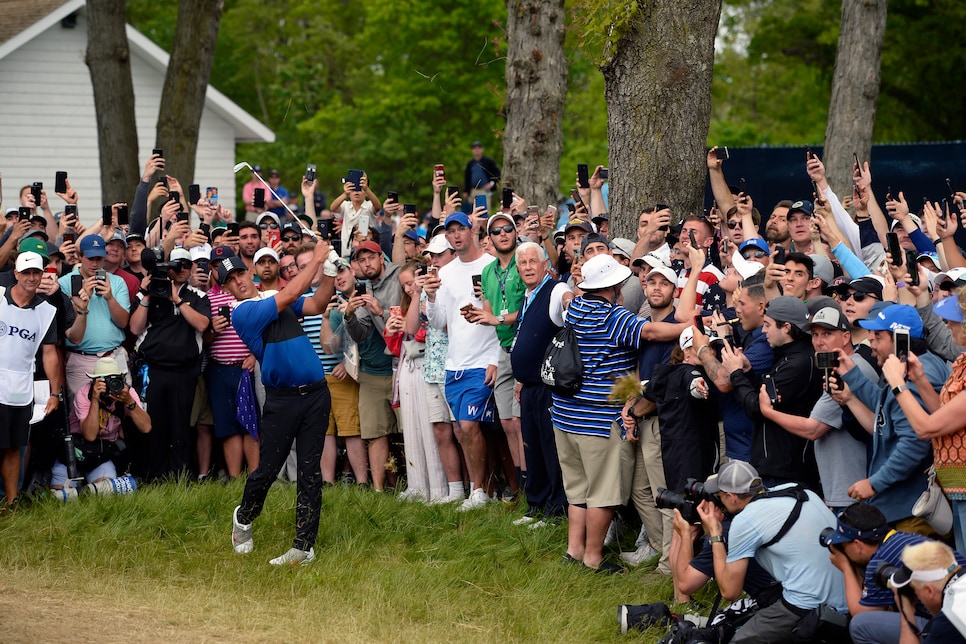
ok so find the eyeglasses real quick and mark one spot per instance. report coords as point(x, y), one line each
point(496, 230)
point(757, 254)
point(291, 237)
point(288, 267)
point(858, 297)
point(271, 225)
point(733, 224)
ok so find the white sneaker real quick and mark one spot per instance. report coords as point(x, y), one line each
point(525, 520)
point(538, 524)
point(639, 556)
point(478, 498)
point(241, 535)
point(449, 498)
point(294, 556)
point(407, 495)
point(611, 535)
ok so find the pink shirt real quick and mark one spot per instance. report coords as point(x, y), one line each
point(227, 347)
point(109, 425)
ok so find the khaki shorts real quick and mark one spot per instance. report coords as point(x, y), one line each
point(377, 417)
point(344, 417)
point(436, 405)
point(201, 408)
point(506, 404)
point(595, 469)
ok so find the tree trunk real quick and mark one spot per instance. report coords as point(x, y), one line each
point(109, 60)
point(855, 90)
point(185, 84)
point(536, 85)
point(657, 83)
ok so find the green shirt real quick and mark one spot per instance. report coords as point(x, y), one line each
point(504, 290)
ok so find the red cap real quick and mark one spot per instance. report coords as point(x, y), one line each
point(367, 245)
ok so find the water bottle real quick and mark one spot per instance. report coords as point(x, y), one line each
point(145, 380)
point(66, 494)
point(120, 485)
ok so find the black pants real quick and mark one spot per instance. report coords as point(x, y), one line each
point(545, 491)
point(285, 418)
point(167, 449)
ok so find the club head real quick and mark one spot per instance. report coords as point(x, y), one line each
point(239, 166)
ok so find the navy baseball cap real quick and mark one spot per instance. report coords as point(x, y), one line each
point(92, 246)
point(802, 205)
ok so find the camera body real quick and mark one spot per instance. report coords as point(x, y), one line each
point(686, 502)
point(153, 261)
point(114, 384)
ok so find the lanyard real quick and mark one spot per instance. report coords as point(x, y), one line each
point(527, 301)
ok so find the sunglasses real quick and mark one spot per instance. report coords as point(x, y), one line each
point(181, 265)
point(858, 297)
point(291, 237)
point(508, 229)
point(271, 225)
point(733, 224)
point(757, 254)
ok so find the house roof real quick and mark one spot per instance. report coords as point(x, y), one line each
point(23, 20)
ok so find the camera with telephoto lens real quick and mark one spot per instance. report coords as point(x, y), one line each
point(152, 259)
point(686, 502)
point(825, 536)
point(882, 575)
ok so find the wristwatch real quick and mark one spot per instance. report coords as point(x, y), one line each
point(716, 538)
point(500, 319)
point(898, 390)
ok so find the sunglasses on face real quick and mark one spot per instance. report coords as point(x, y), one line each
point(508, 229)
point(858, 297)
point(271, 225)
point(734, 224)
point(757, 254)
point(291, 237)
point(181, 265)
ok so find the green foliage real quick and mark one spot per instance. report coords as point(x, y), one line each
point(385, 570)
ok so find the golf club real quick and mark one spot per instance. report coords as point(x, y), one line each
point(244, 164)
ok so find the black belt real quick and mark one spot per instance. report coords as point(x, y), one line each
point(801, 612)
point(93, 355)
point(301, 390)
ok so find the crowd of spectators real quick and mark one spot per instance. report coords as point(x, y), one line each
point(807, 366)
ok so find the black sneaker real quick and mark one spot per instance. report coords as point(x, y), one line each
point(641, 617)
point(608, 568)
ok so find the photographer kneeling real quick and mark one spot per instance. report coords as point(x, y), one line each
point(939, 582)
point(96, 424)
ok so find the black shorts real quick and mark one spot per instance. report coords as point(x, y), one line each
point(14, 426)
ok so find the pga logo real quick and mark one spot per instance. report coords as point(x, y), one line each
point(25, 334)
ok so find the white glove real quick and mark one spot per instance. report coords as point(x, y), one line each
point(331, 266)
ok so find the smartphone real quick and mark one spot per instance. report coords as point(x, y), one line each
point(582, 178)
point(183, 216)
point(194, 194)
point(76, 284)
point(894, 249)
point(211, 195)
point(24, 213)
point(163, 179)
point(409, 209)
point(69, 236)
point(439, 170)
point(479, 202)
point(779, 254)
point(60, 181)
point(507, 198)
point(912, 263)
point(943, 208)
point(36, 189)
point(233, 228)
point(699, 325)
point(452, 191)
point(364, 225)
point(576, 197)
point(360, 288)
point(694, 242)
point(324, 227)
point(258, 198)
point(808, 152)
point(311, 172)
point(422, 269)
point(827, 360)
point(123, 215)
point(949, 184)
point(355, 178)
point(206, 229)
point(395, 311)
point(900, 340)
point(771, 389)
point(273, 238)
point(571, 207)
point(107, 216)
point(225, 312)
point(855, 158)
point(533, 211)
point(477, 281)
point(742, 186)
point(604, 174)
point(722, 153)
point(174, 195)
point(101, 275)
point(818, 195)
point(203, 265)
point(158, 151)
point(70, 211)
point(393, 195)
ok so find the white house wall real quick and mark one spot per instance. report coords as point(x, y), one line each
point(47, 122)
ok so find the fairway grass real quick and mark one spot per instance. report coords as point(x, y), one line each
point(158, 566)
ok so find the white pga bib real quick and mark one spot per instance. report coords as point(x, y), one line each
point(21, 332)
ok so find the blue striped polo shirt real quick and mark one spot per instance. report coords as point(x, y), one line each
point(609, 338)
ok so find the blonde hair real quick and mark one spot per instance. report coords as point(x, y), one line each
point(928, 555)
point(962, 306)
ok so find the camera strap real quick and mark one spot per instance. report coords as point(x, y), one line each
point(797, 493)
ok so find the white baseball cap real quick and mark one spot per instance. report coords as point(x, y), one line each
point(438, 244)
point(29, 261)
point(265, 252)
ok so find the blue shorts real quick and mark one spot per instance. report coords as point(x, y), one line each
point(468, 395)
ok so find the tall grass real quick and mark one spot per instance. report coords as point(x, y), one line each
point(158, 565)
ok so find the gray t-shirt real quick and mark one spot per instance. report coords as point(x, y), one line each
point(841, 459)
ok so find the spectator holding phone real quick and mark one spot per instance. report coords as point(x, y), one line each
point(481, 175)
point(357, 207)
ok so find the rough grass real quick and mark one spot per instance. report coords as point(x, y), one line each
point(158, 565)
